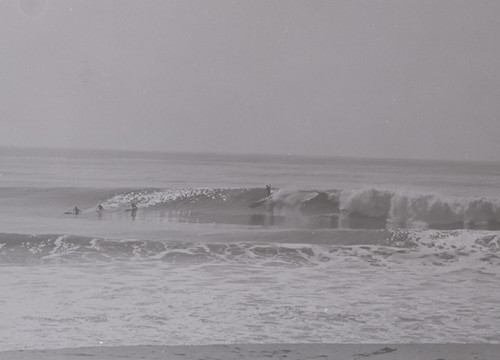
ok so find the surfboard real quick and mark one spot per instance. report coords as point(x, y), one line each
point(68, 213)
point(259, 202)
point(130, 209)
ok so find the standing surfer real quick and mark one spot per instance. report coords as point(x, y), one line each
point(133, 210)
point(76, 211)
point(99, 210)
point(270, 203)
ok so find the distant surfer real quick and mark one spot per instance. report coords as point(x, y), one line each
point(76, 211)
point(133, 210)
point(99, 210)
point(270, 202)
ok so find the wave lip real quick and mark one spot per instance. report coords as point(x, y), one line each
point(183, 197)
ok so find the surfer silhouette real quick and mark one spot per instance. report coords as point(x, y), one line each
point(270, 203)
point(266, 200)
point(133, 210)
point(76, 211)
point(99, 211)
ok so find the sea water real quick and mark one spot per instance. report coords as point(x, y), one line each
point(343, 250)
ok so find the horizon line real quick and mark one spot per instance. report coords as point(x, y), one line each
point(247, 154)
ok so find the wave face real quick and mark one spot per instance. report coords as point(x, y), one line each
point(293, 248)
point(365, 208)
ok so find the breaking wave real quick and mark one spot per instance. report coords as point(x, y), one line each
point(377, 247)
point(365, 208)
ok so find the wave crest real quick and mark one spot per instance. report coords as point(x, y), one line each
point(367, 207)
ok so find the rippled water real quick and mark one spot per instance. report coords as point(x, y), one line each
point(115, 279)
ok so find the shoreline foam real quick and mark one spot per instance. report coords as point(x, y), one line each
point(269, 351)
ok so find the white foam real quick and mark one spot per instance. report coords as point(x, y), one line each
point(149, 198)
point(366, 201)
point(413, 208)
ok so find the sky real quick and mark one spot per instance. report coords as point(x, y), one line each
point(373, 78)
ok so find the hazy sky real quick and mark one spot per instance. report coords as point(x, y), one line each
point(413, 78)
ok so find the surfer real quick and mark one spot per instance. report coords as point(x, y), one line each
point(99, 210)
point(76, 211)
point(265, 200)
point(133, 210)
point(270, 203)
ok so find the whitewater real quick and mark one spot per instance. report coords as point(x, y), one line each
point(343, 250)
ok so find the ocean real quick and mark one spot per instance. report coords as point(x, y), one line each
point(343, 250)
